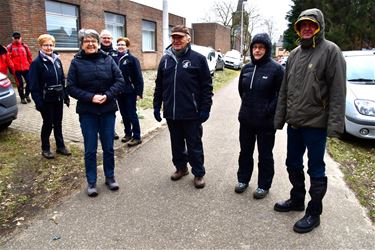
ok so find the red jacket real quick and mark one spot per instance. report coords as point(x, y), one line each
point(5, 61)
point(20, 55)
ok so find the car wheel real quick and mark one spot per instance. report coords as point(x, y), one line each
point(5, 125)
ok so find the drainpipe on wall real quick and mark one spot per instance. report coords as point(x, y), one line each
point(165, 25)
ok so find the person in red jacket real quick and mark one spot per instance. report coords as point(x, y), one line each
point(21, 57)
point(5, 61)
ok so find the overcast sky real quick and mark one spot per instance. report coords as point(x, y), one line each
point(196, 10)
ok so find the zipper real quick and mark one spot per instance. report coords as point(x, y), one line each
point(174, 91)
point(252, 78)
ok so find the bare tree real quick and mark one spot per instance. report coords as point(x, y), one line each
point(221, 12)
point(270, 26)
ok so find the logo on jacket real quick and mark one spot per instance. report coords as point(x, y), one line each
point(186, 64)
point(125, 62)
point(265, 77)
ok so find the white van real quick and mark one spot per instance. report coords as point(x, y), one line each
point(209, 54)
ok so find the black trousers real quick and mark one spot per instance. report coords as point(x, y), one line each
point(265, 139)
point(52, 114)
point(23, 91)
point(186, 142)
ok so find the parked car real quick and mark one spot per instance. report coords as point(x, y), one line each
point(219, 61)
point(360, 93)
point(233, 59)
point(209, 54)
point(8, 102)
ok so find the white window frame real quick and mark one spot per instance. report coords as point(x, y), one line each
point(63, 20)
point(115, 23)
point(148, 36)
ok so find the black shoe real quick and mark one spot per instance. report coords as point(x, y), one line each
point(240, 187)
point(126, 138)
point(260, 193)
point(306, 224)
point(23, 101)
point(288, 205)
point(134, 142)
point(116, 137)
point(47, 154)
point(28, 99)
point(111, 183)
point(199, 182)
point(63, 151)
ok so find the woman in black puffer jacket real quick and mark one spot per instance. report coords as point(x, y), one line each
point(258, 86)
point(95, 80)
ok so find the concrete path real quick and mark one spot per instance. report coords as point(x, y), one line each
point(152, 212)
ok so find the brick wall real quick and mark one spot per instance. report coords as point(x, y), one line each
point(212, 35)
point(28, 17)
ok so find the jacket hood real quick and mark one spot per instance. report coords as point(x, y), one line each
point(3, 50)
point(262, 38)
point(313, 15)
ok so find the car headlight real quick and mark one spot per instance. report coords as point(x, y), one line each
point(365, 107)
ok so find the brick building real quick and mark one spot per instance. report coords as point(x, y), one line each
point(142, 24)
point(212, 35)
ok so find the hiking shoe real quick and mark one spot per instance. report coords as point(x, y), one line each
point(199, 182)
point(91, 190)
point(111, 183)
point(260, 193)
point(179, 174)
point(134, 142)
point(289, 205)
point(306, 224)
point(63, 151)
point(23, 101)
point(240, 187)
point(126, 138)
point(47, 154)
point(28, 99)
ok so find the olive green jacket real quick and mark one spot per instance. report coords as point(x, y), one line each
point(313, 90)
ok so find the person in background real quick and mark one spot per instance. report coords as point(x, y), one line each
point(131, 70)
point(21, 57)
point(107, 47)
point(258, 86)
point(5, 61)
point(47, 85)
point(95, 80)
point(312, 102)
point(184, 87)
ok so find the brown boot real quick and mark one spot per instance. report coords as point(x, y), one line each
point(199, 182)
point(179, 174)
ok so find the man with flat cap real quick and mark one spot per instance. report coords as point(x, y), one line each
point(312, 102)
point(21, 57)
point(184, 87)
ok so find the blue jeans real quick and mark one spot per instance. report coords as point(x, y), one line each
point(128, 109)
point(314, 139)
point(91, 126)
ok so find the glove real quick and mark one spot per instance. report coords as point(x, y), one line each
point(157, 115)
point(203, 116)
point(39, 107)
point(67, 102)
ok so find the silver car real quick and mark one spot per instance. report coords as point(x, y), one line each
point(8, 102)
point(360, 96)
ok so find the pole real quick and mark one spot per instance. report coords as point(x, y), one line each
point(241, 45)
point(165, 25)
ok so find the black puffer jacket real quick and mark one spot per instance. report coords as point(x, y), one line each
point(47, 80)
point(94, 74)
point(183, 85)
point(258, 87)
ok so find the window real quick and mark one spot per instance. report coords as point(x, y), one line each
point(148, 36)
point(62, 23)
point(115, 24)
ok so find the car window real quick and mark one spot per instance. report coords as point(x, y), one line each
point(360, 69)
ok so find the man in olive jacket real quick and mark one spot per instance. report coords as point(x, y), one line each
point(312, 102)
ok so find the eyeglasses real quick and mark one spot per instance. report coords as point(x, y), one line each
point(90, 41)
point(121, 45)
point(48, 45)
point(260, 47)
point(106, 37)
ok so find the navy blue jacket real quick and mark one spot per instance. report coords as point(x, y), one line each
point(131, 70)
point(91, 74)
point(183, 85)
point(43, 74)
point(258, 86)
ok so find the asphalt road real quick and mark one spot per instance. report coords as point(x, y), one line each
point(152, 212)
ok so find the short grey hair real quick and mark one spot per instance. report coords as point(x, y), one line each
point(105, 32)
point(83, 33)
